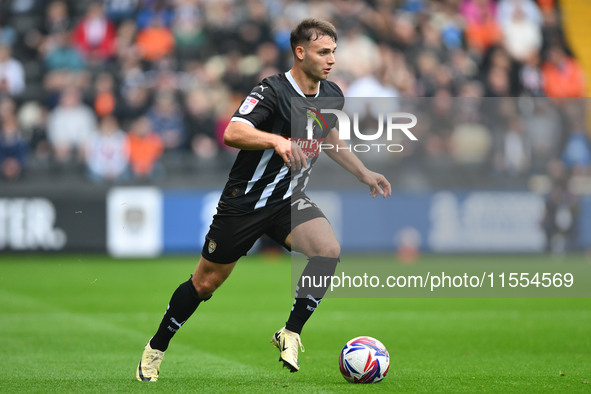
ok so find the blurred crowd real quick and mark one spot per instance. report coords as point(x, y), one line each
point(124, 91)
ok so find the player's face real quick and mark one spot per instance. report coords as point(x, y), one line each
point(319, 58)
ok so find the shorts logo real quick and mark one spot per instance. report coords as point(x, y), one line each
point(248, 105)
point(211, 246)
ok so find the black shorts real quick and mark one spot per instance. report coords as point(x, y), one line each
point(233, 231)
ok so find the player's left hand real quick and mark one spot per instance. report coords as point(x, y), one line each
point(378, 184)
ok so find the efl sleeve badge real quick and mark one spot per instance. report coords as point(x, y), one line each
point(248, 105)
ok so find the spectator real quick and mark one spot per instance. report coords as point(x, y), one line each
point(120, 10)
point(12, 73)
point(69, 126)
point(57, 20)
point(105, 99)
point(145, 148)
point(32, 118)
point(530, 76)
point(95, 35)
point(544, 133)
point(449, 23)
point(395, 72)
point(560, 218)
point(576, 154)
point(131, 74)
point(463, 67)
point(513, 156)
point(252, 33)
point(497, 82)
point(65, 65)
point(357, 55)
point(472, 10)
point(7, 33)
point(125, 42)
point(188, 28)
point(506, 10)
point(134, 103)
point(427, 64)
point(269, 55)
point(155, 11)
point(12, 150)
point(547, 6)
point(167, 120)
point(365, 89)
point(107, 153)
point(482, 29)
point(563, 76)
point(405, 38)
point(155, 41)
point(200, 124)
point(7, 106)
point(521, 36)
point(63, 56)
point(562, 209)
point(431, 40)
point(25, 7)
point(470, 143)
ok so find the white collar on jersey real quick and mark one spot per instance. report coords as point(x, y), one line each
point(295, 85)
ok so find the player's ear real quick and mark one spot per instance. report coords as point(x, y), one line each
point(300, 52)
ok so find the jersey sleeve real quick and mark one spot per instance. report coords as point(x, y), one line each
point(257, 107)
point(340, 97)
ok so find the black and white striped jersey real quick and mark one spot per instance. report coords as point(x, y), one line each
point(259, 177)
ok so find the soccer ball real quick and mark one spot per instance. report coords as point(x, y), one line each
point(364, 360)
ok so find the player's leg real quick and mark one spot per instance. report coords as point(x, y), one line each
point(207, 278)
point(230, 236)
point(304, 228)
point(314, 237)
point(186, 298)
point(317, 240)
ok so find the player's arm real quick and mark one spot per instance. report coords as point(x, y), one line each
point(243, 132)
point(378, 184)
point(242, 135)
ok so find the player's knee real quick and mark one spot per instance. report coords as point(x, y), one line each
point(205, 286)
point(332, 251)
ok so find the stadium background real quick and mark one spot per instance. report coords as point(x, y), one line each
point(98, 99)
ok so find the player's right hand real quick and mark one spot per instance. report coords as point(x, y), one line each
point(291, 153)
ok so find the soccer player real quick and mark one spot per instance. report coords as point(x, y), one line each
point(265, 184)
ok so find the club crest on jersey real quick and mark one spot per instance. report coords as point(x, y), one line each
point(248, 105)
point(211, 246)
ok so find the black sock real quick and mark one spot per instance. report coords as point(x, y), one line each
point(308, 297)
point(182, 304)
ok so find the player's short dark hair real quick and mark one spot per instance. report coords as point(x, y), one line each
point(311, 29)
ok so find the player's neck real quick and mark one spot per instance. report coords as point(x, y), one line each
point(307, 85)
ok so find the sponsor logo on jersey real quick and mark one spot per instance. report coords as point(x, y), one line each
point(248, 105)
point(256, 94)
point(315, 116)
point(310, 147)
point(211, 246)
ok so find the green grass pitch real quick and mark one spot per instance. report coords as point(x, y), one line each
point(79, 323)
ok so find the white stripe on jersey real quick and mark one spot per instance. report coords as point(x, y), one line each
point(295, 179)
point(270, 187)
point(238, 119)
point(295, 85)
point(260, 170)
